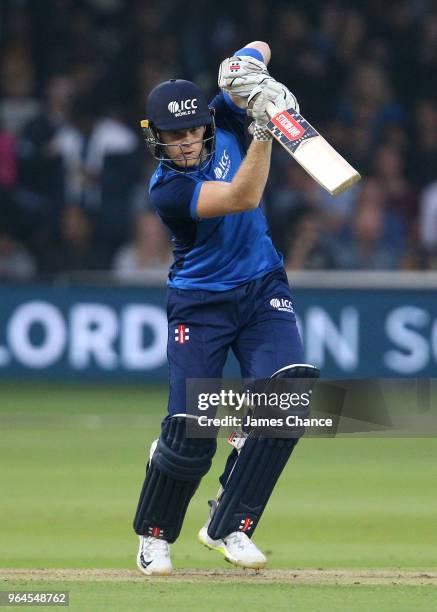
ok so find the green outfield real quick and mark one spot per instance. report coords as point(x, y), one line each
point(72, 460)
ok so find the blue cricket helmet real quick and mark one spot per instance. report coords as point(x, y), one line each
point(176, 105)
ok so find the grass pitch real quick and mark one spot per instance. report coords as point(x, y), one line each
point(72, 461)
point(204, 597)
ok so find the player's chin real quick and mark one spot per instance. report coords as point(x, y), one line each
point(187, 162)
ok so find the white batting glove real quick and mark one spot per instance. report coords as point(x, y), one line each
point(238, 75)
point(261, 98)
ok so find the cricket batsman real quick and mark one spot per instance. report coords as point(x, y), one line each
point(227, 289)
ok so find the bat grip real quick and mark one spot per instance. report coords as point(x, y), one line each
point(271, 109)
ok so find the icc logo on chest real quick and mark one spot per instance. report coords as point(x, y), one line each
point(222, 169)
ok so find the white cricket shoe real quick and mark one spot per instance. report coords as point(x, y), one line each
point(237, 548)
point(153, 557)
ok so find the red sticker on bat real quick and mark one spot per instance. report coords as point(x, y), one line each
point(288, 126)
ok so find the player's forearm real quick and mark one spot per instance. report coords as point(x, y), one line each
point(248, 184)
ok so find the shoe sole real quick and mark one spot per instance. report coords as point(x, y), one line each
point(229, 558)
point(153, 573)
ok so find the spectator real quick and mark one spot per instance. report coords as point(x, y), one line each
point(8, 165)
point(83, 145)
point(76, 251)
point(151, 248)
point(310, 249)
point(8, 176)
point(423, 147)
point(288, 199)
point(39, 132)
point(16, 72)
point(369, 107)
point(15, 261)
point(363, 246)
point(388, 168)
point(39, 196)
point(428, 224)
point(8, 161)
point(18, 105)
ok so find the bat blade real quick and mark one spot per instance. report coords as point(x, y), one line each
point(303, 142)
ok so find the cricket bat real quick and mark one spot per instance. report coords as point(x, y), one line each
point(303, 142)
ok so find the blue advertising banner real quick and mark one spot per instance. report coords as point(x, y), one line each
point(120, 333)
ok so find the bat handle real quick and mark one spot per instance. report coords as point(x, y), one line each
point(271, 109)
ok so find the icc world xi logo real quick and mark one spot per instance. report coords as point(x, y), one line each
point(184, 105)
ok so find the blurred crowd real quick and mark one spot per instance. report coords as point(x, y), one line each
point(73, 168)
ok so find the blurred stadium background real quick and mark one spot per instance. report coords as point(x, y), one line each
point(83, 264)
point(74, 75)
